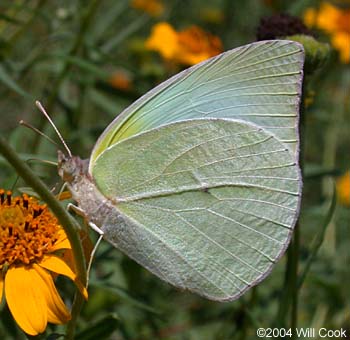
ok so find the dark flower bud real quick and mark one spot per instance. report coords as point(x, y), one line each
point(279, 26)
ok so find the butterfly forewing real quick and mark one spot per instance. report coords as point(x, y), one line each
point(258, 83)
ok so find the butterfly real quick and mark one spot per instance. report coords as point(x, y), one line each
point(198, 180)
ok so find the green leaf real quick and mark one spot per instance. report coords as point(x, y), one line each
point(10, 83)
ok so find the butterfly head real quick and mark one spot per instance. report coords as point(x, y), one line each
point(71, 168)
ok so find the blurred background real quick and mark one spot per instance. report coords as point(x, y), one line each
point(88, 60)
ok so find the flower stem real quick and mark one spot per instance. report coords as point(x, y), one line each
point(294, 278)
point(64, 218)
point(290, 293)
point(77, 305)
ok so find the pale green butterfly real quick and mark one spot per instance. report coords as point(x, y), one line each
point(198, 180)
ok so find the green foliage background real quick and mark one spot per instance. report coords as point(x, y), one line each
point(63, 53)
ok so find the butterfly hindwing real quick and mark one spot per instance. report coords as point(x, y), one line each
point(208, 204)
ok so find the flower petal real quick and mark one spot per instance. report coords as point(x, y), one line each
point(163, 32)
point(25, 295)
point(59, 266)
point(57, 311)
point(310, 16)
point(341, 41)
point(62, 241)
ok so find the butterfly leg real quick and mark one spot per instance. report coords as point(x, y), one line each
point(64, 186)
point(76, 209)
point(94, 227)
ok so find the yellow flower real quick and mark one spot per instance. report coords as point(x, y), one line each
point(334, 21)
point(152, 7)
point(341, 42)
point(343, 189)
point(163, 39)
point(33, 249)
point(187, 47)
point(310, 15)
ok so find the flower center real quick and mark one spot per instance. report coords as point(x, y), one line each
point(28, 230)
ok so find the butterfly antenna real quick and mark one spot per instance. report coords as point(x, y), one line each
point(41, 108)
point(22, 122)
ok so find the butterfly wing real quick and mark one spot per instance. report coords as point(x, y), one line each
point(258, 83)
point(207, 204)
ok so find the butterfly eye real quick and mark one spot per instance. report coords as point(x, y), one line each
point(66, 169)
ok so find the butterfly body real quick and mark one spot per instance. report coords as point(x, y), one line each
point(198, 181)
point(74, 172)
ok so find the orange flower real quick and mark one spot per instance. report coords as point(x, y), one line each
point(343, 189)
point(152, 7)
point(33, 248)
point(187, 47)
point(120, 80)
point(334, 21)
